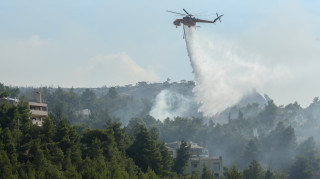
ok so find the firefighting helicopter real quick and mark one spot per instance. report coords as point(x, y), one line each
point(189, 19)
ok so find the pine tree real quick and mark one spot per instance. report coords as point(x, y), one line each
point(39, 163)
point(69, 169)
point(52, 171)
point(151, 174)
point(10, 148)
point(68, 140)
point(252, 151)
point(234, 173)
point(94, 150)
point(27, 171)
point(118, 134)
point(48, 130)
point(5, 166)
point(302, 168)
point(254, 171)
point(105, 137)
point(183, 155)
point(268, 174)
point(166, 160)
point(97, 168)
point(144, 152)
point(206, 173)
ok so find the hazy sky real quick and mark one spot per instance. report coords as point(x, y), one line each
point(117, 42)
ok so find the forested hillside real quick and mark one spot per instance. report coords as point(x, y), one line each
point(254, 139)
point(161, 100)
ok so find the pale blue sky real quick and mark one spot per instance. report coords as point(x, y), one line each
point(116, 42)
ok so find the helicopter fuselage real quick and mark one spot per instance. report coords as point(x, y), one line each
point(189, 21)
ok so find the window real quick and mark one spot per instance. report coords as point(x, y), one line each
point(216, 167)
point(34, 108)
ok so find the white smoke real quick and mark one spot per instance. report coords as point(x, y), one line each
point(170, 104)
point(223, 73)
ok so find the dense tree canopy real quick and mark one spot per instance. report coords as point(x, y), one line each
point(119, 139)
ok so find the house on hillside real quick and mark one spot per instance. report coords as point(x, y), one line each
point(84, 112)
point(214, 164)
point(39, 110)
point(13, 101)
point(199, 158)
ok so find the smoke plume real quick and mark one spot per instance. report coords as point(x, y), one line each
point(222, 73)
point(170, 104)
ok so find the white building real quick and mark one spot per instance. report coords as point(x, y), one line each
point(214, 164)
point(199, 158)
point(39, 110)
point(84, 112)
point(13, 101)
point(195, 149)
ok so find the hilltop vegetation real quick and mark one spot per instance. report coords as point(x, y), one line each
point(253, 139)
point(122, 103)
point(57, 150)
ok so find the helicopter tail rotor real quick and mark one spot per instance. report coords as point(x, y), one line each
point(218, 17)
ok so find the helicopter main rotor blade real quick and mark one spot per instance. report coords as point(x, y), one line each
point(177, 13)
point(187, 13)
